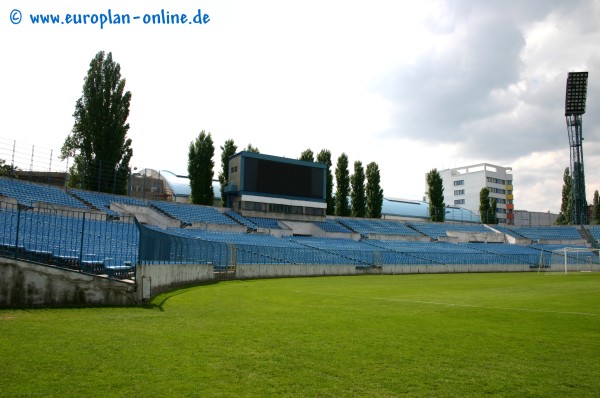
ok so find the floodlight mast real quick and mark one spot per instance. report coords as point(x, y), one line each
point(574, 109)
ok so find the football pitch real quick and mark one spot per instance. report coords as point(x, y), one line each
point(450, 335)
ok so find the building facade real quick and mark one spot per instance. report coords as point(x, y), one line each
point(462, 186)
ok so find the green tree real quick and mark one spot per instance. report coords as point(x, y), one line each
point(227, 150)
point(342, 182)
point(6, 170)
point(374, 192)
point(98, 141)
point(564, 217)
point(596, 209)
point(200, 169)
point(325, 157)
point(307, 155)
point(484, 205)
point(251, 148)
point(493, 216)
point(435, 192)
point(357, 195)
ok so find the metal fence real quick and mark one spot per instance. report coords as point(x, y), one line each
point(81, 240)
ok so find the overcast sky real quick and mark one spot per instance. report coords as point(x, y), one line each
point(411, 85)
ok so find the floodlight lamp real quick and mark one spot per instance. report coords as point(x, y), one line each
point(576, 93)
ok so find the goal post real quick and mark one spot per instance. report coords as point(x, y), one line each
point(574, 259)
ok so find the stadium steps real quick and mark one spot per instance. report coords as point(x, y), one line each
point(346, 225)
point(419, 232)
point(238, 218)
point(164, 213)
point(588, 237)
point(85, 202)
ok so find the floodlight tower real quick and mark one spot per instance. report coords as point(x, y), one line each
point(574, 109)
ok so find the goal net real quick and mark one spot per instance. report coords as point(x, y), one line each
point(572, 259)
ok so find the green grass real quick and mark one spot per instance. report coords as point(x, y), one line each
point(450, 335)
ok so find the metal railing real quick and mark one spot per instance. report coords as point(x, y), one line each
point(80, 240)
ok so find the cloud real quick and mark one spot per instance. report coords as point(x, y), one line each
point(479, 84)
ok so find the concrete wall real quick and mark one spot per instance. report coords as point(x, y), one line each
point(463, 236)
point(146, 215)
point(256, 271)
point(155, 278)
point(403, 238)
point(219, 227)
point(452, 268)
point(25, 284)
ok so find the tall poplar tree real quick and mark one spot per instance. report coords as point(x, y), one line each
point(200, 169)
point(98, 140)
point(325, 157)
point(564, 217)
point(374, 192)
point(493, 216)
point(435, 192)
point(357, 195)
point(307, 155)
point(227, 150)
point(342, 183)
point(596, 209)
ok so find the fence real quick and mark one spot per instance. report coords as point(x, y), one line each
point(33, 163)
point(79, 240)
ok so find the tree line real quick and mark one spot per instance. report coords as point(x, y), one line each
point(356, 195)
point(101, 152)
point(564, 217)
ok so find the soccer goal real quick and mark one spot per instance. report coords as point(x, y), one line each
point(574, 259)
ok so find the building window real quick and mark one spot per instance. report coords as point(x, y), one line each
point(459, 192)
point(459, 182)
point(497, 181)
point(496, 190)
point(459, 202)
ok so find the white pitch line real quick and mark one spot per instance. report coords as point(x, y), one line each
point(449, 304)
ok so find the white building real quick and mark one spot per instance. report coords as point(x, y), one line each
point(462, 186)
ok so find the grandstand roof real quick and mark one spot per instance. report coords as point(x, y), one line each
point(180, 184)
point(402, 208)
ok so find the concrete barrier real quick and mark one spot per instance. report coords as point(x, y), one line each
point(155, 278)
point(257, 271)
point(452, 268)
point(24, 284)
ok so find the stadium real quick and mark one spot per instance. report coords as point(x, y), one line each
point(159, 297)
point(275, 226)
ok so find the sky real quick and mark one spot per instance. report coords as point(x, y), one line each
point(411, 85)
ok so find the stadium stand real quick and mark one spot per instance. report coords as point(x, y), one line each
point(102, 201)
point(58, 238)
point(189, 214)
point(558, 232)
point(29, 193)
point(256, 248)
point(89, 242)
point(366, 227)
point(261, 222)
point(438, 230)
point(332, 226)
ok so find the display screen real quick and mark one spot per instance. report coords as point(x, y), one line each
point(281, 178)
